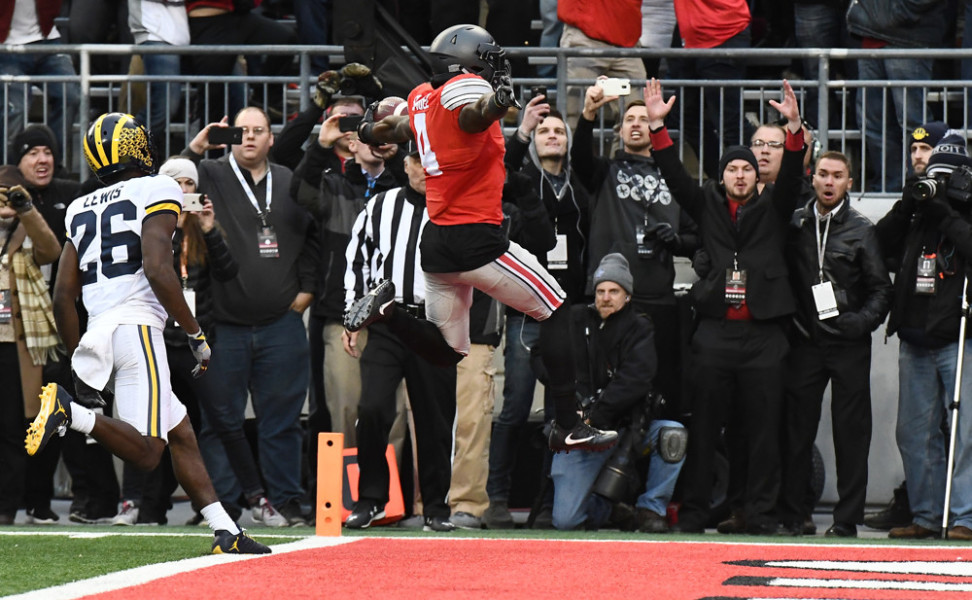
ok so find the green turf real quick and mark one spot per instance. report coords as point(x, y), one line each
point(30, 562)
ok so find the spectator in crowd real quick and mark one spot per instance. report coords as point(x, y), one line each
point(892, 24)
point(739, 343)
point(545, 138)
point(927, 244)
point(199, 254)
point(657, 26)
point(28, 340)
point(155, 23)
point(230, 22)
point(313, 19)
point(100, 22)
point(823, 24)
point(843, 293)
point(923, 140)
point(455, 119)
point(632, 213)
point(704, 24)
point(343, 92)
point(384, 246)
point(475, 393)
point(127, 297)
point(257, 315)
point(599, 24)
point(334, 192)
point(616, 365)
point(553, 28)
point(31, 22)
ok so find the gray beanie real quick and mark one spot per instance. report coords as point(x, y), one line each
point(614, 267)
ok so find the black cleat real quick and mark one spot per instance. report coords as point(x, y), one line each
point(581, 437)
point(53, 418)
point(371, 307)
point(364, 514)
point(240, 543)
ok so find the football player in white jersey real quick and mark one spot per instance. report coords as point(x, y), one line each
point(118, 259)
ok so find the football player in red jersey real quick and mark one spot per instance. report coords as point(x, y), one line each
point(454, 122)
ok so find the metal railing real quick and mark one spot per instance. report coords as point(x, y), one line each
point(940, 99)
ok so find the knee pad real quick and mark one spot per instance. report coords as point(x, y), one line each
point(672, 443)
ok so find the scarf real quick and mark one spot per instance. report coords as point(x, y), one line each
point(37, 313)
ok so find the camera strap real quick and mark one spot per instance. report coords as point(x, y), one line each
point(4, 260)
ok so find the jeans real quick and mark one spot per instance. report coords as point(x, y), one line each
point(163, 96)
point(821, 25)
point(269, 362)
point(518, 385)
point(61, 99)
point(550, 37)
point(314, 27)
point(574, 474)
point(885, 128)
point(926, 384)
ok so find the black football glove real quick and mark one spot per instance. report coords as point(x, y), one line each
point(366, 125)
point(85, 395)
point(503, 93)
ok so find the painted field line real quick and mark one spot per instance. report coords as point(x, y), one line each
point(147, 573)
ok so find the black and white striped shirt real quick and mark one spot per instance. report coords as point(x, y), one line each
point(385, 245)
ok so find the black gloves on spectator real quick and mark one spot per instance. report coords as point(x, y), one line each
point(666, 233)
point(853, 325)
point(937, 209)
point(354, 79)
point(701, 263)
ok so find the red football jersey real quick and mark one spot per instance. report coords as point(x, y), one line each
point(464, 171)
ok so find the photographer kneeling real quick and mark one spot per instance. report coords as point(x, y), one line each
point(616, 364)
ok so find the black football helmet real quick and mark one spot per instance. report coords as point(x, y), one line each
point(116, 142)
point(467, 49)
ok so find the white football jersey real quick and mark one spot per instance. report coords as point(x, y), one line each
point(105, 227)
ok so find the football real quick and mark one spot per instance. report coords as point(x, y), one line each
point(392, 105)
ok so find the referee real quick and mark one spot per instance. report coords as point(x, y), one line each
point(384, 245)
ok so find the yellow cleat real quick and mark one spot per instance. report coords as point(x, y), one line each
point(54, 417)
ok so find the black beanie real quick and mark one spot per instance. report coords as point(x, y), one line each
point(738, 153)
point(31, 137)
point(949, 154)
point(930, 133)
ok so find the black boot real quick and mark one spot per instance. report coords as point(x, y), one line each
point(897, 513)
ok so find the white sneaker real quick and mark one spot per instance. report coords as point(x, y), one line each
point(128, 514)
point(265, 513)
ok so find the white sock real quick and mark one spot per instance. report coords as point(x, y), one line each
point(82, 419)
point(217, 518)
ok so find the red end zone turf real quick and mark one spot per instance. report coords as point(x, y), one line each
point(425, 569)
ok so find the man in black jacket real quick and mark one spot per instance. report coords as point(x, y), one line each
point(632, 213)
point(742, 306)
point(843, 292)
point(616, 367)
point(928, 242)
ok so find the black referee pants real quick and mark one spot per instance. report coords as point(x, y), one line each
point(810, 366)
point(432, 395)
point(739, 375)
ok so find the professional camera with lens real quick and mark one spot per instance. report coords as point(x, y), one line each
point(955, 187)
point(620, 478)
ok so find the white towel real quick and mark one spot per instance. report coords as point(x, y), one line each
point(94, 357)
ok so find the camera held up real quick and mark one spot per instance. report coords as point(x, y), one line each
point(956, 187)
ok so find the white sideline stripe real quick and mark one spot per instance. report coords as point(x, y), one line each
point(140, 575)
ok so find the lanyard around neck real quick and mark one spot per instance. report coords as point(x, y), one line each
point(249, 191)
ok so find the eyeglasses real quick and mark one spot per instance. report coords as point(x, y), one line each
point(254, 131)
point(761, 143)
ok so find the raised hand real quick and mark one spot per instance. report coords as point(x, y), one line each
point(535, 111)
point(655, 103)
point(789, 109)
